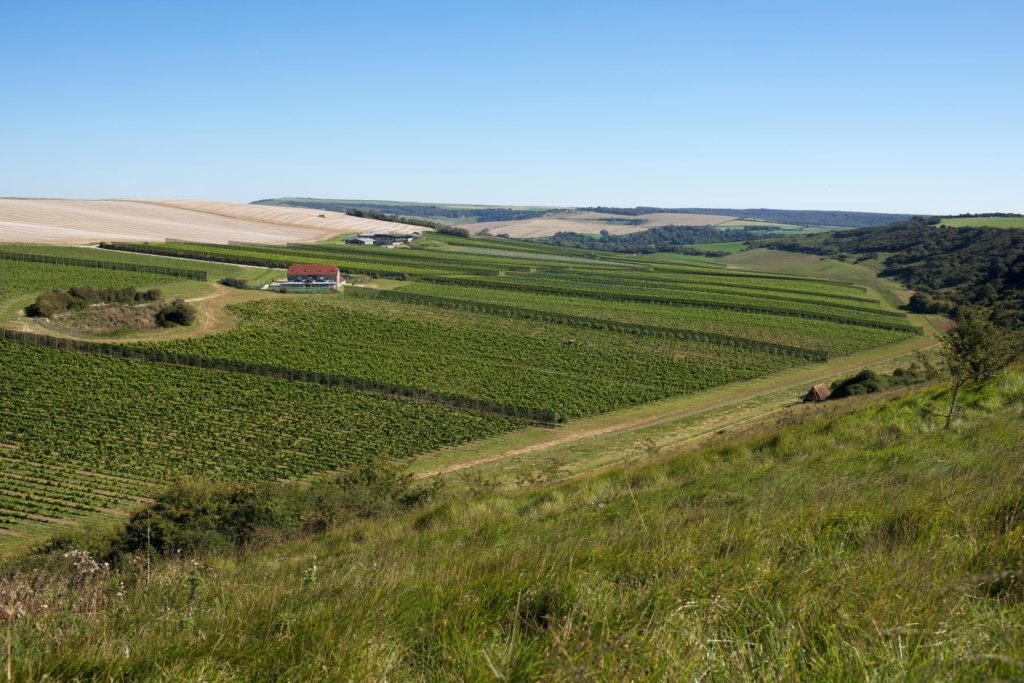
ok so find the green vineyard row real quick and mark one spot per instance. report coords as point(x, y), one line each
point(590, 323)
point(109, 265)
point(156, 354)
point(619, 296)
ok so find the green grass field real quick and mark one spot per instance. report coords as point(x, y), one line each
point(982, 222)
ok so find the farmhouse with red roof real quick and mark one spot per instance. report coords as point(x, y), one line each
point(310, 277)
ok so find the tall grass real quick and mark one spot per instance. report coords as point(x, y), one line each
point(868, 546)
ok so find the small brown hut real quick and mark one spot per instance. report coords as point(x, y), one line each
point(819, 392)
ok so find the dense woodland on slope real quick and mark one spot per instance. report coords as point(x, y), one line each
point(664, 238)
point(947, 266)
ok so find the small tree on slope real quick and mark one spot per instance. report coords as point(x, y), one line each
point(975, 351)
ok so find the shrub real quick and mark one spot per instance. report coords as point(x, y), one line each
point(178, 312)
point(195, 516)
point(76, 298)
point(925, 303)
point(236, 282)
point(869, 382)
point(452, 230)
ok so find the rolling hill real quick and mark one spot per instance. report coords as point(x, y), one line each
point(69, 221)
point(541, 221)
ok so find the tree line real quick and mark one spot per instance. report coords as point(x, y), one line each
point(466, 214)
point(394, 218)
point(666, 238)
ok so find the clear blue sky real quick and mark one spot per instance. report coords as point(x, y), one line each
point(902, 105)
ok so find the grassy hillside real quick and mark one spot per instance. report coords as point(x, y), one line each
point(984, 222)
point(947, 266)
point(869, 545)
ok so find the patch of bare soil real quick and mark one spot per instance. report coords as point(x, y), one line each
point(109, 319)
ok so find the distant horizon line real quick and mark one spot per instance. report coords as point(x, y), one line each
point(509, 205)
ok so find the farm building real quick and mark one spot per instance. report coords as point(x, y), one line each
point(310, 277)
point(383, 239)
point(817, 393)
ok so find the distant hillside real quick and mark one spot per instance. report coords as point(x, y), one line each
point(948, 266)
point(452, 213)
point(834, 219)
point(985, 220)
point(593, 218)
point(671, 238)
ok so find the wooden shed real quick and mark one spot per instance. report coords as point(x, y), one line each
point(818, 392)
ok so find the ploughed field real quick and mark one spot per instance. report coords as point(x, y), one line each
point(483, 336)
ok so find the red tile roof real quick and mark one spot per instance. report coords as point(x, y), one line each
point(305, 269)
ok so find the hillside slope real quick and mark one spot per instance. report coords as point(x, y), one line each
point(68, 221)
point(869, 545)
point(948, 266)
point(540, 221)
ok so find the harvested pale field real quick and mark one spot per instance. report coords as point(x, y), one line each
point(592, 222)
point(338, 223)
point(72, 221)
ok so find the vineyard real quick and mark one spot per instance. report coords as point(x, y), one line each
point(22, 278)
point(545, 366)
point(482, 336)
point(82, 432)
point(122, 260)
point(831, 338)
